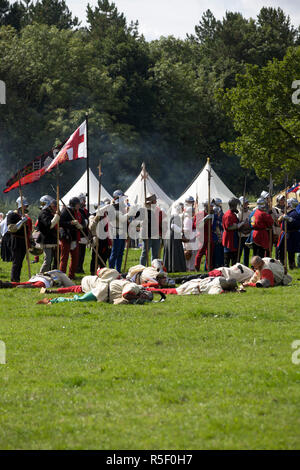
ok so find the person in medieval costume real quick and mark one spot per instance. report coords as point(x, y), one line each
point(201, 222)
point(84, 237)
point(99, 228)
point(268, 272)
point(106, 286)
point(274, 232)
point(6, 254)
point(231, 226)
point(70, 234)
point(54, 278)
point(243, 216)
point(217, 233)
point(261, 222)
point(280, 210)
point(150, 229)
point(190, 246)
point(292, 220)
point(15, 226)
point(174, 259)
point(47, 227)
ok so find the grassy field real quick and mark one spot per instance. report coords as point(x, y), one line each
point(203, 372)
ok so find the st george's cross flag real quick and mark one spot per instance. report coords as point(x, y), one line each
point(74, 148)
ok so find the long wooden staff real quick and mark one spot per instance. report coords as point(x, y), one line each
point(57, 208)
point(99, 200)
point(243, 210)
point(208, 263)
point(144, 177)
point(271, 207)
point(285, 227)
point(81, 231)
point(25, 228)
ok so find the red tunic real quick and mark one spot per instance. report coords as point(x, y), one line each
point(229, 236)
point(260, 223)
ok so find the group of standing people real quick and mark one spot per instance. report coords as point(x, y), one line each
point(186, 236)
point(224, 237)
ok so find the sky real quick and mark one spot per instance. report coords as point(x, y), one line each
point(178, 17)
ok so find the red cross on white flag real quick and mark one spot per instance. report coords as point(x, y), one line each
point(74, 148)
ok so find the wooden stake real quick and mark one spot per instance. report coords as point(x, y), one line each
point(99, 200)
point(25, 228)
point(57, 208)
point(240, 238)
point(285, 227)
point(144, 177)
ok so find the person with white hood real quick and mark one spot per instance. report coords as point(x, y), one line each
point(174, 260)
point(190, 246)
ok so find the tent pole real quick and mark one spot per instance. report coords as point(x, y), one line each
point(243, 210)
point(208, 263)
point(144, 177)
point(99, 200)
point(87, 160)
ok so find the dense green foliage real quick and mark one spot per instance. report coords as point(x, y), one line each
point(155, 101)
point(197, 372)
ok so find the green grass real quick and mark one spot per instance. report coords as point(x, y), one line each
point(197, 372)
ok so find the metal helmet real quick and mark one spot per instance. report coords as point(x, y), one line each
point(280, 197)
point(233, 203)
point(265, 195)
point(189, 200)
point(242, 201)
point(218, 201)
point(292, 203)
point(106, 201)
point(261, 203)
point(46, 201)
point(82, 197)
point(19, 202)
point(74, 201)
point(118, 193)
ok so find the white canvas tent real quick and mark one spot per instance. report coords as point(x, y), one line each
point(136, 194)
point(200, 187)
point(81, 187)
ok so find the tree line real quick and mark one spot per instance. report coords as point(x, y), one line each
point(223, 92)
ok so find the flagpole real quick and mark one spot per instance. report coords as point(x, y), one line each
point(87, 160)
point(208, 263)
point(144, 176)
point(57, 209)
point(25, 227)
point(99, 200)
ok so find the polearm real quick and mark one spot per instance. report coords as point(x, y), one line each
point(81, 231)
point(243, 210)
point(25, 227)
point(57, 206)
point(271, 207)
point(144, 177)
point(209, 222)
point(87, 161)
point(99, 200)
point(285, 226)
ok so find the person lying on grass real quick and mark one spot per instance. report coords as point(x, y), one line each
point(107, 286)
point(42, 280)
point(268, 272)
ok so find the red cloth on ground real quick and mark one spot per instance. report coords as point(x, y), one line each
point(150, 284)
point(38, 284)
point(229, 219)
point(65, 290)
point(260, 223)
point(215, 273)
point(265, 274)
point(164, 291)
